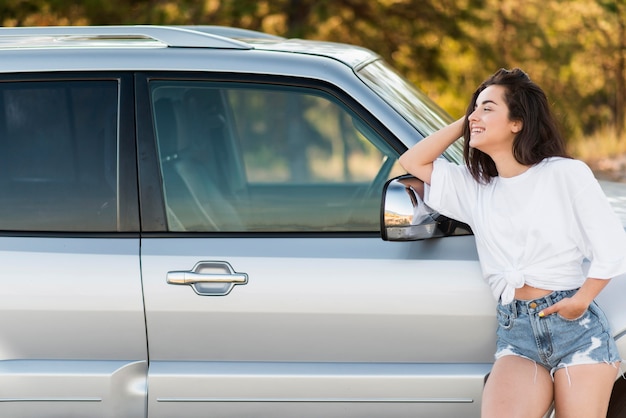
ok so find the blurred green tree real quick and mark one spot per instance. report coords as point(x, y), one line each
point(575, 49)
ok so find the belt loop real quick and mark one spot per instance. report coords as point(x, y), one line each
point(513, 309)
point(556, 296)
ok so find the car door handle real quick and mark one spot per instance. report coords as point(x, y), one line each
point(209, 278)
point(189, 277)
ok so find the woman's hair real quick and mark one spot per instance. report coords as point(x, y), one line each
point(539, 137)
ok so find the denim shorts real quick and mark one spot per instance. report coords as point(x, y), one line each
point(553, 341)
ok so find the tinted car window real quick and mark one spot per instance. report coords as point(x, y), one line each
point(244, 157)
point(58, 146)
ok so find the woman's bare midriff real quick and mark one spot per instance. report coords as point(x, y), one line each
point(528, 293)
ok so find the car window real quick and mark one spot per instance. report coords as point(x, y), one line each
point(424, 114)
point(254, 157)
point(58, 155)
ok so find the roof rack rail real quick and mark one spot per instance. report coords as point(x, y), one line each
point(170, 36)
point(230, 32)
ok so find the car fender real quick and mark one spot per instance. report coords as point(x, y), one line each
point(611, 300)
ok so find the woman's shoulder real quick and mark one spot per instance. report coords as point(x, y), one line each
point(446, 172)
point(442, 164)
point(568, 166)
point(567, 170)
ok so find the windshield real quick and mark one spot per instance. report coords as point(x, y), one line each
point(420, 111)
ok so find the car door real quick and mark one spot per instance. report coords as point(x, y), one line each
point(72, 331)
point(268, 290)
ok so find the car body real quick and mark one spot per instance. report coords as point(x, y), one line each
point(190, 226)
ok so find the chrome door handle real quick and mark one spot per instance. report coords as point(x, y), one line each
point(189, 277)
point(209, 278)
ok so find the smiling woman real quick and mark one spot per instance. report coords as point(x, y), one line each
point(527, 120)
point(536, 215)
point(491, 130)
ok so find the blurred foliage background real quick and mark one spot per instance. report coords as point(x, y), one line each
point(574, 49)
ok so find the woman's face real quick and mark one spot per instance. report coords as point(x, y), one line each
point(491, 130)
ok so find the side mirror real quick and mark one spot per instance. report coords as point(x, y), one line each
point(405, 216)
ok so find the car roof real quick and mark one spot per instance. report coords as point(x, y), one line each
point(148, 36)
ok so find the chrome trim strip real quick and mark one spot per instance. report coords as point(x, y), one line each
point(321, 400)
point(50, 400)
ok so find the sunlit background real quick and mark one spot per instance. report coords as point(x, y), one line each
point(574, 49)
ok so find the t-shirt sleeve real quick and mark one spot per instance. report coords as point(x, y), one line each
point(602, 231)
point(452, 190)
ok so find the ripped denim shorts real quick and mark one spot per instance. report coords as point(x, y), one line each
point(553, 341)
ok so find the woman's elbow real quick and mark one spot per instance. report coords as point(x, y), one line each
point(404, 161)
point(421, 171)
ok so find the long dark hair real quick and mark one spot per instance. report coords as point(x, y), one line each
point(539, 137)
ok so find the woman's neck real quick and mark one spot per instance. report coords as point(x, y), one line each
point(508, 166)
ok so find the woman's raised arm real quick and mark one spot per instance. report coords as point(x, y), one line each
point(418, 160)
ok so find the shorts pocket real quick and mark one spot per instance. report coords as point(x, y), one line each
point(599, 314)
point(505, 316)
point(582, 316)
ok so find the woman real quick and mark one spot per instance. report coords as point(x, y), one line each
point(536, 214)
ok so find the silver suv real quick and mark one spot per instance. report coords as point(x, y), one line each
point(191, 226)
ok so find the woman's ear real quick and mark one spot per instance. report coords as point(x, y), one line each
point(517, 126)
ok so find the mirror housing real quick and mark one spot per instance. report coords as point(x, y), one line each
point(405, 217)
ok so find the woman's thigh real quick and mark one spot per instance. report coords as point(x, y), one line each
point(584, 390)
point(517, 387)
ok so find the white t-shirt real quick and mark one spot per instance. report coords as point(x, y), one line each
point(535, 228)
